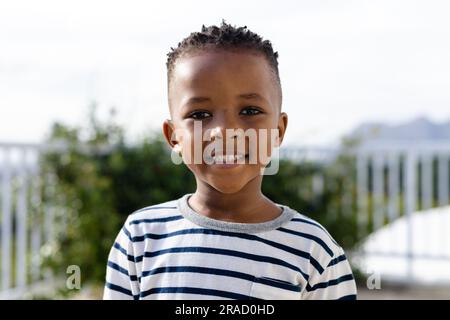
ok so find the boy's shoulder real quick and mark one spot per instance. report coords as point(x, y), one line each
point(313, 232)
point(302, 222)
point(154, 211)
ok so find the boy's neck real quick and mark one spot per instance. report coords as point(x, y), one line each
point(248, 205)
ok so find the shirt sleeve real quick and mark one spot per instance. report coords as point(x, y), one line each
point(121, 276)
point(336, 282)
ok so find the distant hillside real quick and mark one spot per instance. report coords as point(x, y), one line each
point(418, 129)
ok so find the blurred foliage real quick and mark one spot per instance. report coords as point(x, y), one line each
point(98, 180)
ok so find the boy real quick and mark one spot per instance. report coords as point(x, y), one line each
point(226, 240)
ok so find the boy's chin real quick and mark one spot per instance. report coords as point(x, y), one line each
point(227, 188)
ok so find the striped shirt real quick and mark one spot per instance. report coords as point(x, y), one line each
point(169, 251)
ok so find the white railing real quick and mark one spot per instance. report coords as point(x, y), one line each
point(26, 222)
point(395, 180)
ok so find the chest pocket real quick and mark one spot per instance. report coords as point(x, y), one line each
point(274, 289)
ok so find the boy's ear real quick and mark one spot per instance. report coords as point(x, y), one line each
point(282, 125)
point(169, 134)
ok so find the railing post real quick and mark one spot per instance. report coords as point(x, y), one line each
point(443, 177)
point(317, 184)
point(49, 210)
point(21, 225)
point(410, 205)
point(378, 190)
point(362, 177)
point(6, 221)
point(393, 187)
point(36, 224)
point(427, 181)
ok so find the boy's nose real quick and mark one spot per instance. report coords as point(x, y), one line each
point(225, 120)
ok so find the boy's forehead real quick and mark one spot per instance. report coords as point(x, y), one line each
point(221, 72)
point(196, 63)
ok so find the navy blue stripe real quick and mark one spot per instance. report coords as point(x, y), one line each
point(201, 291)
point(152, 208)
point(121, 290)
point(327, 284)
point(166, 219)
point(311, 237)
point(349, 297)
point(316, 225)
point(226, 252)
point(228, 273)
point(127, 233)
point(342, 257)
point(115, 266)
point(279, 284)
point(252, 237)
point(118, 247)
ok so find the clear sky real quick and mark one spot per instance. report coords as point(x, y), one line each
point(341, 62)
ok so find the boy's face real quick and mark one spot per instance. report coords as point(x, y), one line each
point(223, 80)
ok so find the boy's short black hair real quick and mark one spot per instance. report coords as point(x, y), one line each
point(226, 37)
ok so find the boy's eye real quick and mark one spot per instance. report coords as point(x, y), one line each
point(199, 115)
point(250, 111)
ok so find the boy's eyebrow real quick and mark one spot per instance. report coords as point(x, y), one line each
point(252, 95)
point(247, 96)
point(197, 100)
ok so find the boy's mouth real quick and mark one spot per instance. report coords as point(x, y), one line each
point(227, 159)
